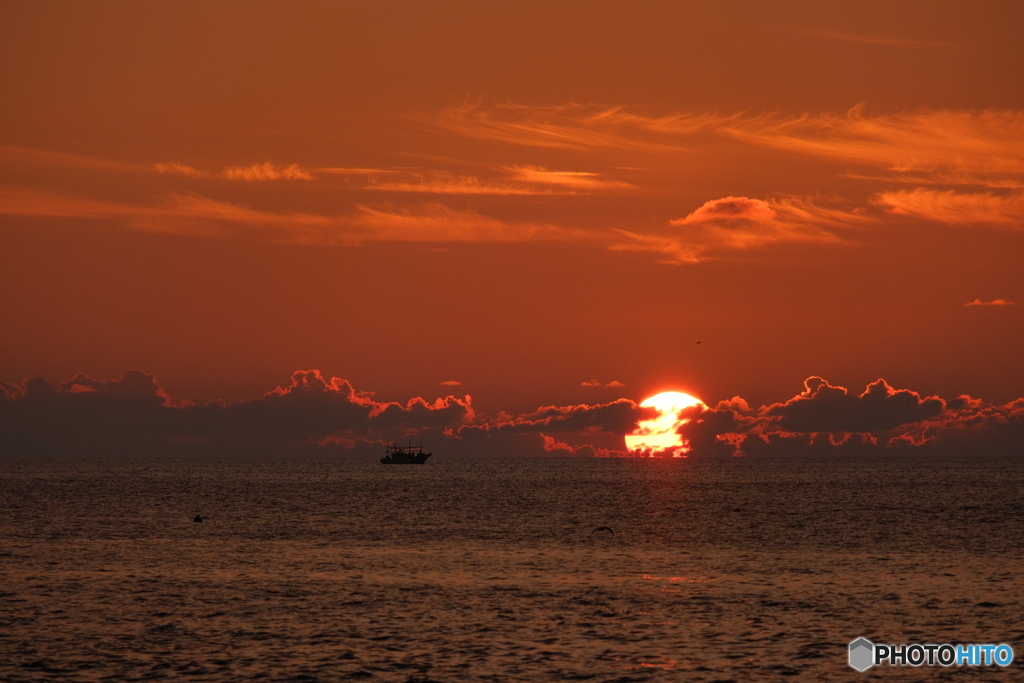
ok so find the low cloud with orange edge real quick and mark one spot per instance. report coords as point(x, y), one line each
point(86, 415)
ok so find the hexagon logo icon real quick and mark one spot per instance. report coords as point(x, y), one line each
point(862, 654)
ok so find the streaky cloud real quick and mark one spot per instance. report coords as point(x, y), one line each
point(516, 180)
point(193, 214)
point(174, 168)
point(577, 180)
point(994, 302)
point(614, 384)
point(445, 183)
point(931, 141)
point(43, 157)
point(890, 41)
point(342, 170)
point(255, 172)
point(1001, 211)
point(266, 171)
point(571, 126)
point(441, 223)
point(740, 223)
point(939, 178)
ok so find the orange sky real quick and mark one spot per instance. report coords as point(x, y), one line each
point(519, 197)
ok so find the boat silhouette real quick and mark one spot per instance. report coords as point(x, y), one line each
point(404, 455)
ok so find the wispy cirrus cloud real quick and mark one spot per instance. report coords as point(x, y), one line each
point(575, 180)
point(958, 149)
point(264, 171)
point(352, 170)
point(730, 210)
point(29, 202)
point(44, 157)
point(928, 149)
point(198, 215)
point(515, 180)
point(952, 148)
point(451, 183)
point(570, 126)
point(267, 171)
point(931, 147)
point(717, 227)
point(931, 141)
point(1002, 211)
point(739, 223)
point(994, 302)
point(176, 214)
point(988, 141)
point(174, 168)
point(948, 179)
point(255, 172)
point(440, 223)
point(891, 41)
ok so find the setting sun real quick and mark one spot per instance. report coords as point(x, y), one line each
point(661, 433)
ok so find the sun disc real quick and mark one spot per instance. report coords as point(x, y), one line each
point(660, 434)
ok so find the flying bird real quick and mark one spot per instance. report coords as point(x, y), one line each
point(603, 528)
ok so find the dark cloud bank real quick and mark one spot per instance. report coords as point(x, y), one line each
point(316, 415)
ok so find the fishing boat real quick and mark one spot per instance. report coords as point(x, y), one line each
point(404, 455)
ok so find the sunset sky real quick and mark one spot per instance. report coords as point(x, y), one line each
point(533, 204)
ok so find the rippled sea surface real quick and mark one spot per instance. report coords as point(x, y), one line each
point(332, 570)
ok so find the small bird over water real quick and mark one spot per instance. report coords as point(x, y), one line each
point(197, 519)
point(603, 528)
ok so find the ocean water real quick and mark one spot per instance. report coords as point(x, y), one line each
point(458, 570)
